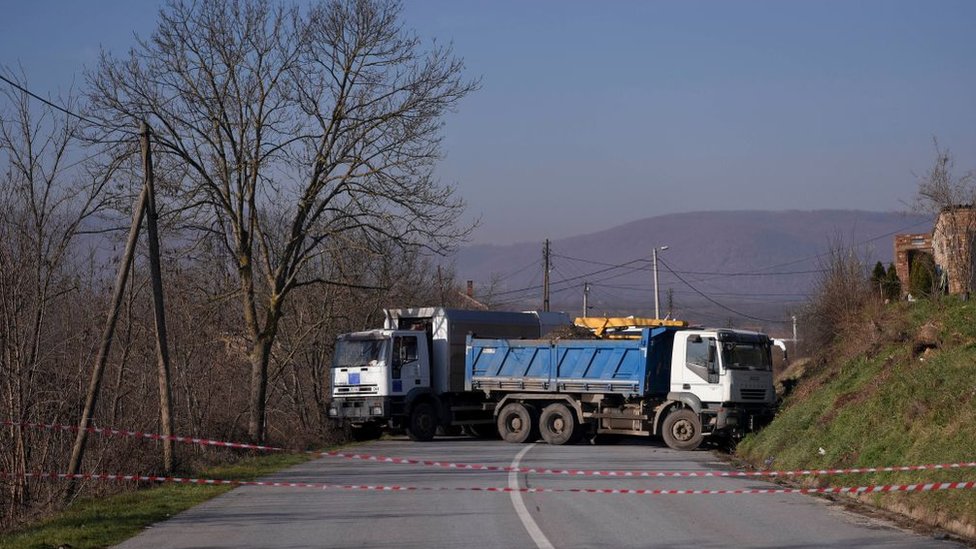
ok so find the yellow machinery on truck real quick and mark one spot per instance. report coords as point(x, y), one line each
point(627, 327)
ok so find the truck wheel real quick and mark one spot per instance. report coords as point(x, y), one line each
point(558, 424)
point(423, 422)
point(682, 430)
point(516, 422)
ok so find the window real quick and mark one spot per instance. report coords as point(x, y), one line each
point(700, 357)
point(404, 352)
point(746, 356)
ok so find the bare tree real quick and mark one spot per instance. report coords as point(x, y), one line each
point(840, 294)
point(43, 206)
point(952, 198)
point(299, 385)
point(292, 129)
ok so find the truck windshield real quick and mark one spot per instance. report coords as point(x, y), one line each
point(359, 352)
point(746, 356)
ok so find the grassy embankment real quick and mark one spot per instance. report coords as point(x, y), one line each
point(102, 522)
point(885, 396)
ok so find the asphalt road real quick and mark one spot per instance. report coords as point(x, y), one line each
point(294, 517)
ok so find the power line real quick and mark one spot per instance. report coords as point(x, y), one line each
point(708, 273)
point(62, 169)
point(758, 272)
point(592, 262)
point(60, 108)
point(716, 303)
point(644, 288)
point(573, 278)
point(761, 270)
point(753, 273)
point(869, 240)
point(516, 272)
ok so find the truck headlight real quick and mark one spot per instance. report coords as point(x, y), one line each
point(333, 411)
point(377, 410)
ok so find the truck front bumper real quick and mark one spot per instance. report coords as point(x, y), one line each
point(360, 410)
point(738, 421)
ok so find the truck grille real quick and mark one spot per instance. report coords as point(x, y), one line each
point(753, 394)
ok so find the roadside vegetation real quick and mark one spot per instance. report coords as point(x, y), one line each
point(894, 385)
point(889, 374)
point(294, 147)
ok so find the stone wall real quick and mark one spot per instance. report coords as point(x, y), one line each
point(952, 247)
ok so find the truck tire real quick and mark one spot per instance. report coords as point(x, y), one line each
point(682, 430)
point(558, 425)
point(516, 423)
point(423, 422)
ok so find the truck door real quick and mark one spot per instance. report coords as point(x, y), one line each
point(409, 365)
point(700, 374)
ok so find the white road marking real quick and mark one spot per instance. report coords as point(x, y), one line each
point(540, 539)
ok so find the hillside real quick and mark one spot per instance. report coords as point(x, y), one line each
point(897, 389)
point(759, 263)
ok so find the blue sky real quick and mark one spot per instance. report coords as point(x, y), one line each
point(592, 114)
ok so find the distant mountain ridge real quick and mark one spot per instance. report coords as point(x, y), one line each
point(758, 264)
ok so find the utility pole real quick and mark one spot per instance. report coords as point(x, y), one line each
point(155, 273)
point(440, 286)
point(586, 299)
point(670, 303)
point(657, 294)
point(145, 204)
point(105, 345)
point(796, 342)
point(545, 277)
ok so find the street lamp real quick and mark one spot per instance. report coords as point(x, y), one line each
point(657, 294)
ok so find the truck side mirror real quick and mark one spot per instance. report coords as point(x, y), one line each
point(782, 346)
point(712, 362)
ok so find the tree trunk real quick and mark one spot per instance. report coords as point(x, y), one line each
point(260, 357)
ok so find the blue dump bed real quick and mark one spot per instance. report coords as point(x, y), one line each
point(627, 367)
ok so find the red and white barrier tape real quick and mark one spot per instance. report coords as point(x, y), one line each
point(105, 432)
point(890, 488)
point(505, 469)
point(646, 474)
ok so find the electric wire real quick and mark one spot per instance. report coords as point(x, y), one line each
point(62, 109)
point(571, 279)
point(761, 270)
point(645, 288)
point(519, 271)
point(713, 301)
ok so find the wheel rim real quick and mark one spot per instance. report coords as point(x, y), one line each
point(557, 425)
point(424, 421)
point(683, 430)
point(515, 424)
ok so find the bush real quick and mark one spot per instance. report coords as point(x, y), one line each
point(838, 299)
point(921, 278)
